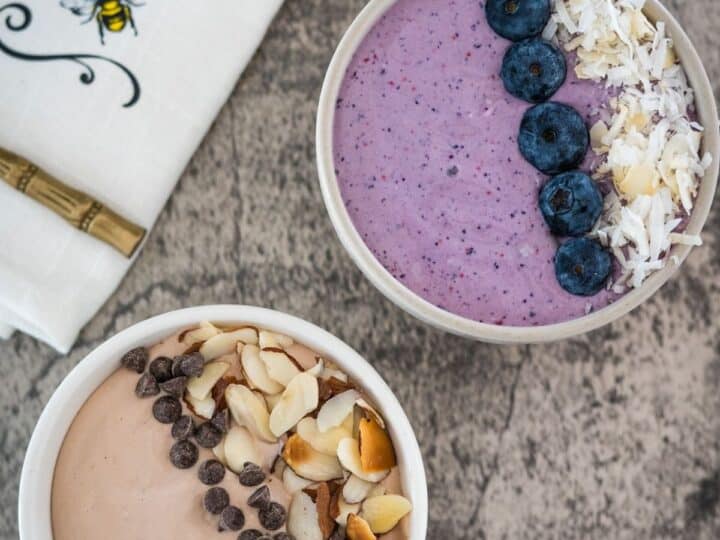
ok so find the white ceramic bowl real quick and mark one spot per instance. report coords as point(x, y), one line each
point(422, 309)
point(47, 439)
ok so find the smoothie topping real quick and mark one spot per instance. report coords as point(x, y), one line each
point(533, 70)
point(135, 360)
point(167, 410)
point(183, 454)
point(211, 472)
point(517, 19)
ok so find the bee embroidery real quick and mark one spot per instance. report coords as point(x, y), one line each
point(111, 15)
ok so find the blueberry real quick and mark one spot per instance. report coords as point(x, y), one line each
point(533, 70)
point(571, 203)
point(582, 266)
point(517, 19)
point(553, 137)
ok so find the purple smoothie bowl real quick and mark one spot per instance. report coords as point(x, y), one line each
point(457, 313)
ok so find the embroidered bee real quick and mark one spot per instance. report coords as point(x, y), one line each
point(110, 15)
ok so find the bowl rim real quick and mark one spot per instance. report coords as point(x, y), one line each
point(34, 501)
point(427, 312)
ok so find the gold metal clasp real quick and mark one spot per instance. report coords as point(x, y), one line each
point(75, 207)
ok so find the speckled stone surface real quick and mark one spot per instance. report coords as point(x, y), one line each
point(615, 435)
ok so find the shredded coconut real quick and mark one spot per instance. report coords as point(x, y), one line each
point(649, 145)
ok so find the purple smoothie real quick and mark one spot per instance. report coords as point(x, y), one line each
point(425, 147)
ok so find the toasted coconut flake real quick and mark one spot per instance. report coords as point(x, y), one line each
point(200, 387)
point(256, 371)
point(299, 398)
point(327, 442)
point(204, 408)
point(239, 448)
point(356, 489)
point(384, 513)
point(250, 411)
point(309, 463)
point(200, 334)
point(303, 520)
point(293, 482)
point(273, 339)
point(336, 410)
point(226, 342)
point(349, 456)
point(358, 529)
point(376, 449)
point(281, 367)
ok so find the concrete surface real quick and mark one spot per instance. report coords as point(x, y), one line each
point(615, 435)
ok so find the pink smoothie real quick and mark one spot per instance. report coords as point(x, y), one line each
point(427, 160)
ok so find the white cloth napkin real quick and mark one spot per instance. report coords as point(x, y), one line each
point(186, 57)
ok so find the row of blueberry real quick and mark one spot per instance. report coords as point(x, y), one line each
point(554, 139)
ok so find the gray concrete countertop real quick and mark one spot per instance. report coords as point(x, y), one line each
point(615, 435)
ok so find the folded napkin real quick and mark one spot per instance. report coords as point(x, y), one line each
point(112, 97)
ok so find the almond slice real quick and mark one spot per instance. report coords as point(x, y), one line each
point(356, 489)
point(280, 365)
point(200, 334)
point(239, 449)
point(343, 509)
point(272, 400)
point(200, 387)
point(349, 456)
point(317, 369)
point(302, 521)
point(384, 513)
point(336, 410)
point(358, 529)
point(226, 342)
point(256, 372)
point(293, 482)
point(309, 463)
point(273, 339)
point(219, 452)
point(376, 449)
point(299, 398)
point(250, 411)
point(329, 373)
point(322, 503)
point(204, 408)
point(327, 442)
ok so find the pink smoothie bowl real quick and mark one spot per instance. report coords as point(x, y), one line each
point(35, 522)
point(462, 326)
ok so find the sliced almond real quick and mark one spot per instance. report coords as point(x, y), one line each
point(250, 411)
point(358, 529)
point(309, 463)
point(256, 372)
point(330, 372)
point(376, 449)
point(327, 442)
point(204, 408)
point(343, 509)
point(322, 503)
point(272, 400)
point(317, 369)
point(202, 333)
point(293, 482)
point(280, 365)
point(349, 456)
point(240, 449)
point(356, 489)
point(273, 339)
point(302, 521)
point(299, 398)
point(219, 452)
point(200, 387)
point(336, 410)
point(226, 342)
point(384, 513)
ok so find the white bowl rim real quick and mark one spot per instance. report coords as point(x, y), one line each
point(34, 512)
point(462, 326)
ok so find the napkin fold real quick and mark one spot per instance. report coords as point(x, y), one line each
point(112, 98)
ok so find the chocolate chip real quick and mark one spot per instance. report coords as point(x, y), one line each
point(283, 536)
point(216, 500)
point(260, 498)
point(211, 472)
point(146, 386)
point(183, 454)
point(135, 360)
point(167, 409)
point(272, 517)
point(183, 428)
point(190, 365)
point(221, 421)
point(207, 435)
point(251, 475)
point(176, 369)
point(161, 369)
point(231, 519)
point(251, 534)
point(175, 386)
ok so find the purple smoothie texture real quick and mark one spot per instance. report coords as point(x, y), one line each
point(425, 149)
